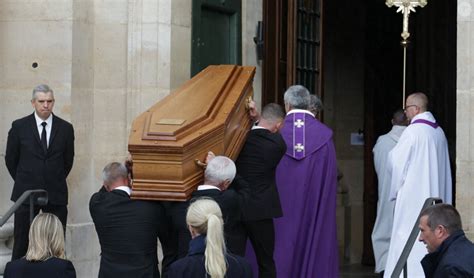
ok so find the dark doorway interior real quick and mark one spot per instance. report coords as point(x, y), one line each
point(431, 68)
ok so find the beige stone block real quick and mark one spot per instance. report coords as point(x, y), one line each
point(150, 96)
point(464, 44)
point(82, 183)
point(46, 43)
point(181, 13)
point(83, 11)
point(111, 11)
point(83, 249)
point(37, 10)
point(180, 55)
point(149, 55)
point(150, 11)
point(164, 11)
point(164, 55)
point(110, 56)
point(465, 10)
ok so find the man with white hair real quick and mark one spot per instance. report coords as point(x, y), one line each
point(306, 177)
point(222, 185)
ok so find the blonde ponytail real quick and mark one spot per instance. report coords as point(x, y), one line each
point(205, 216)
point(215, 248)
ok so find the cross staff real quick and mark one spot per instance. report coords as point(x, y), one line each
point(405, 6)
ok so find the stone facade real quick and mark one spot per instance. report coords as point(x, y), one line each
point(107, 61)
point(465, 113)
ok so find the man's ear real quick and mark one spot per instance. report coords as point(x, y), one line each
point(441, 231)
point(225, 184)
point(278, 126)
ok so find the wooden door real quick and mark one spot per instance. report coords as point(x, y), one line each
point(216, 34)
point(292, 47)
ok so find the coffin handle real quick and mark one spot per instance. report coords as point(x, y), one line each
point(247, 102)
point(200, 163)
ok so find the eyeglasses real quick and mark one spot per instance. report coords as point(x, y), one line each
point(408, 106)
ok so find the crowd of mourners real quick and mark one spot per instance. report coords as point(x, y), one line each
point(269, 213)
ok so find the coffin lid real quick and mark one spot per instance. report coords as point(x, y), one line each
point(192, 111)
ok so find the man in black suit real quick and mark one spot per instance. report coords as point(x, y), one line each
point(228, 190)
point(39, 155)
point(257, 162)
point(128, 229)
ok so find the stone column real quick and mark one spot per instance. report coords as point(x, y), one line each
point(6, 234)
point(465, 114)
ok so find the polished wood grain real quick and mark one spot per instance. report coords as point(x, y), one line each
point(207, 113)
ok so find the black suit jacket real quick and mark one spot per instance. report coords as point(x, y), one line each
point(53, 267)
point(230, 202)
point(257, 163)
point(128, 231)
point(31, 168)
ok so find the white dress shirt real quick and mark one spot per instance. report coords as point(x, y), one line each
point(49, 124)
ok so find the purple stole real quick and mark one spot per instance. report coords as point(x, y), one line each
point(298, 135)
point(422, 121)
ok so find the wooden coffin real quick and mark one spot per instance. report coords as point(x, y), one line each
point(209, 112)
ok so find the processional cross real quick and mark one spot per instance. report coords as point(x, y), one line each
point(405, 6)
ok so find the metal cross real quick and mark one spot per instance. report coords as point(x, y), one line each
point(406, 6)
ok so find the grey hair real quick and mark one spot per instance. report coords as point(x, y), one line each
point(315, 104)
point(297, 97)
point(220, 169)
point(43, 88)
point(114, 171)
point(445, 215)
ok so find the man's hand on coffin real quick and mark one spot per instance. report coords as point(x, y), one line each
point(129, 166)
point(209, 157)
point(253, 111)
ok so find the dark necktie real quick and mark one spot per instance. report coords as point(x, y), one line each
point(44, 143)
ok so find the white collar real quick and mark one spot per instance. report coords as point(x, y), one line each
point(425, 116)
point(48, 121)
point(299, 111)
point(257, 127)
point(127, 189)
point(207, 187)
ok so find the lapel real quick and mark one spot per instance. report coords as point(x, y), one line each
point(54, 131)
point(34, 128)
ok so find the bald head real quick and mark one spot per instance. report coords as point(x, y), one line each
point(419, 99)
point(416, 103)
point(399, 118)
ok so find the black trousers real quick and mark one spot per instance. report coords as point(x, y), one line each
point(262, 236)
point(22, 225)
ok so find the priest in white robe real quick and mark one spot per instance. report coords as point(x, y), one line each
point(420, 169)
point(383, 224)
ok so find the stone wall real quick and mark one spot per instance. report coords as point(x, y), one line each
point(465, 113)
point(107, 61)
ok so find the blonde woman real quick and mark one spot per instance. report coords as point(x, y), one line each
point(207, 256)
point(45, 256)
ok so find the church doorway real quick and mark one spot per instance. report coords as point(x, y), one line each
point(357, 70)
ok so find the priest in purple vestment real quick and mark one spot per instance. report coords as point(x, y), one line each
point(306, 178)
